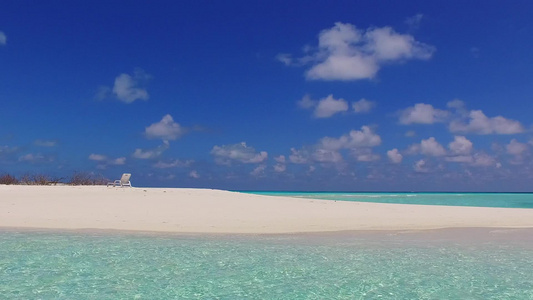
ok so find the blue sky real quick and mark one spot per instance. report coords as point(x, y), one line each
point(342, 95)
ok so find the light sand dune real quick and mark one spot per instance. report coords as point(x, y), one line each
point(216, 211)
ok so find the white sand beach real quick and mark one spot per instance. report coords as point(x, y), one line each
point(216, 211)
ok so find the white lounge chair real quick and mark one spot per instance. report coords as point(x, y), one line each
point(122, 182)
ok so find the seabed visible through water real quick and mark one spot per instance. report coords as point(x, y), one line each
point(475, 263)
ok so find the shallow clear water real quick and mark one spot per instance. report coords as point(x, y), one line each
point(509, 200)
point(48, 265)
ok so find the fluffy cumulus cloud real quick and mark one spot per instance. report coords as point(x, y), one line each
point(259, 171)
point(280, 166)
point(364, 138)
point(166, 129)
point(364, 154)
point(325, 107)
point(484, 160)
point(329, 106)
point(429, 147)
point(315, 154)
point(460, 146)
point(151, 153)
point(299, 156)
point(326, 156)
point(3, 38)
point(478, 123)
point(422, 113)
point(345, 52)
point(128, 88)
point(327, 150)
point(363, 106)
point(237, 152)
point(515, 147)
point(432, 147)
point(518, 150)
point(459, 119)
point(394, 156)
point(421, 166)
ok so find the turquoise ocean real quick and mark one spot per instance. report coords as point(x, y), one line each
point(506, 200)
point(445, 264)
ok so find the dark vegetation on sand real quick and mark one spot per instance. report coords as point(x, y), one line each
point(78, 178)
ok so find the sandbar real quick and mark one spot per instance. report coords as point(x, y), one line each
point(182, 210)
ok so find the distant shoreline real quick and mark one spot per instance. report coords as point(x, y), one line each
point(205, 211)
point(376, 192)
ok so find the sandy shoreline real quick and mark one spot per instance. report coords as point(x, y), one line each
point(214, 211)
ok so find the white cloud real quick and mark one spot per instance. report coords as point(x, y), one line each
point(129, 88)
point(516, 148)
point(460, 146)
point(456, 104)
point(347, 53)
point(329, 106)
point(364, 154)
point(194, 174)
point(479, 123)
point(428, 147)
point(104, 161)
point(97, 157)
point(280, 168)
point(326, 156)
point(460, 159)
point(172, 164)
point(326, 151)
point(422, 113)
point(394, 156)
point(298, 156)
point(315, 154)
point(285, 58)
point(484, 160)
point(421, 166)
point(237, 152)
point(258, 171)
point(432, 147)
point(44, 143)
point(280, 159)
point(118, 161)
point(414, 21)
point(35, 158)
point(3, 38)
point(165, 129)
point(410, 133)
point(306, 102)
point(149, 154)
point(364, 138)
point(363, 106)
